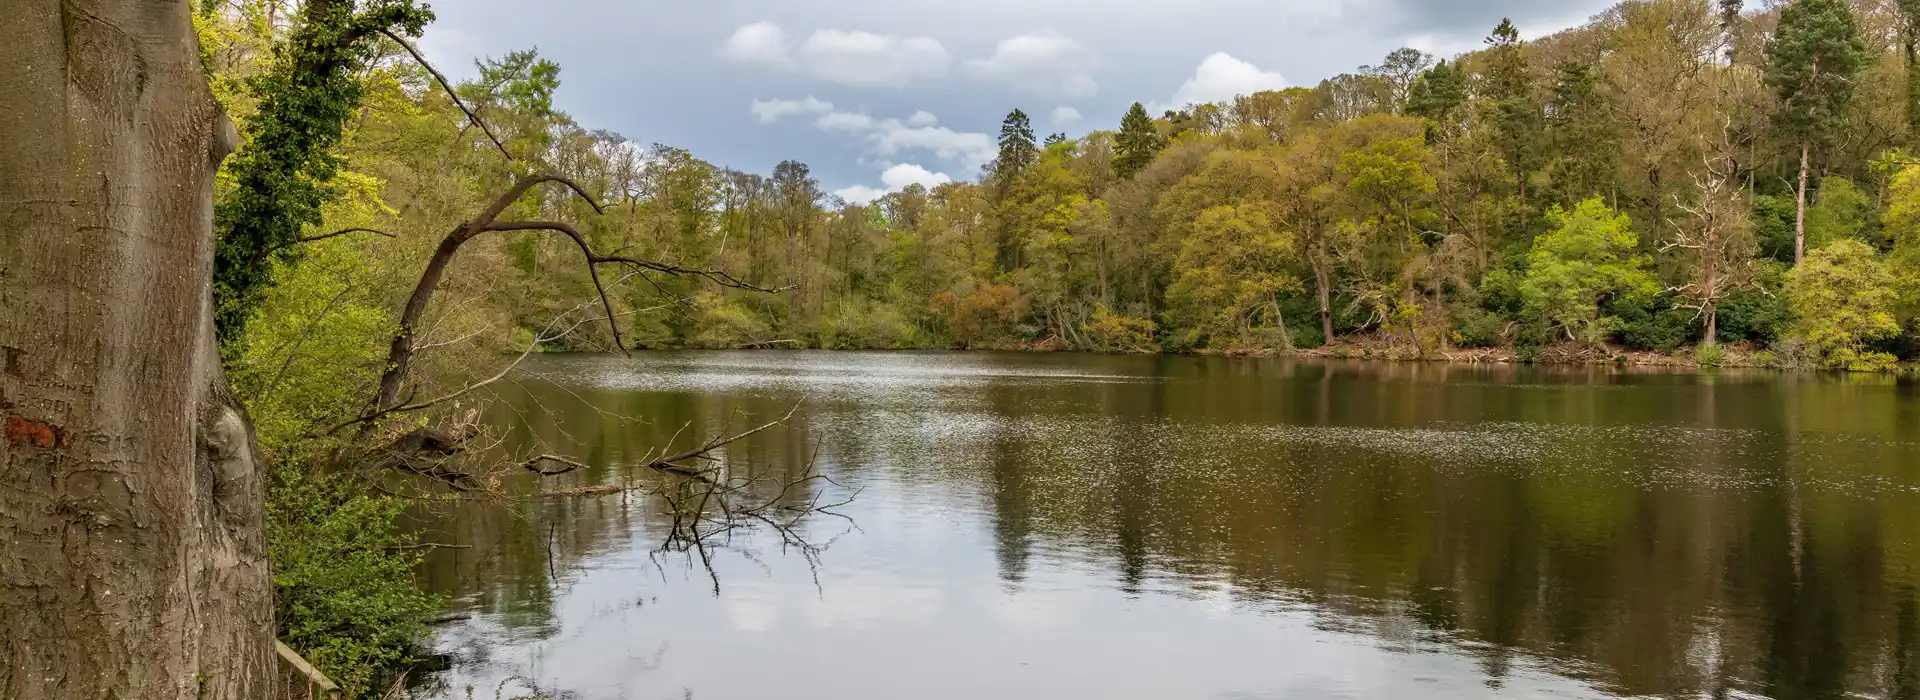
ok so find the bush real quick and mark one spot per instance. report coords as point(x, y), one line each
point(1307, 336)
point(1710, 355)
point(1110, 332)
point(343, 592)
point(725, 323)
point(1478, 328)
point(1844, 298)
point(1753, 315)
point(982, 315)
point(864, 326)
point(1656, 328)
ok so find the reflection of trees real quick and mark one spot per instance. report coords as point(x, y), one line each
point(1649, 582)
point(1589, 552)
point(523, 549)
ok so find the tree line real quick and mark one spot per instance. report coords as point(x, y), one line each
point(1674, 173)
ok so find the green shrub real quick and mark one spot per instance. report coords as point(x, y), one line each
point(1658, 329)
point(344, 595)
point(1111, 332)
point(1710, 355)
point(1478, 328)
point(1307, 336)
point(726, 323)
point(1753, 315)
point(1844, 297)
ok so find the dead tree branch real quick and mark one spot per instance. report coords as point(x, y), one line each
point(400, 355)
point(448, 87)
point(341, 232)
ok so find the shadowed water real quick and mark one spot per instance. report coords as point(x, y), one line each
point(1076, 526)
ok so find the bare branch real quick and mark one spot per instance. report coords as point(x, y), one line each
point(670, 463)
point(448, 87)
point(341, 232)
point(533, 465)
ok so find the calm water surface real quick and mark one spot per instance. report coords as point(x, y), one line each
point(1075, 526)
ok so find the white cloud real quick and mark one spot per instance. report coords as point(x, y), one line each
point(1222, 77)
point(853, 122)
point(859, 194)
point(899, 176)
point(1445, 47)
point(770, 111)
point(1044, 62)
point(1065, 115)
point(863, 59)
point(894, 179)
point(967, 148)
point(763, 43)
point(888, 137)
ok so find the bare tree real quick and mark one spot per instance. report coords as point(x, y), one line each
point(1717, 237)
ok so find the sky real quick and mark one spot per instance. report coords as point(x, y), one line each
point(874, 94)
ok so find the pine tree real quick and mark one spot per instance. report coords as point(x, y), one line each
point(1909, 47)
point(1812, 63)
point(1437, 92)
point(1054, 138)
point(1516, 114)
point(1017, 150)
point(1137, 143)
point(1730, 25)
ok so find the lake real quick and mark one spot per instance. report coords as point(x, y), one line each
point(1084, 526)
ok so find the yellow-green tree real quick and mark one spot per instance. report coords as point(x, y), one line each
point(1587, 257)
point(1844, 297)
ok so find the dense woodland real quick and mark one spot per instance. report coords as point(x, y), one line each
point(1683, 177)
point(1634, 183)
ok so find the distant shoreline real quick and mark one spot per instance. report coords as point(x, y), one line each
point(1732, 357)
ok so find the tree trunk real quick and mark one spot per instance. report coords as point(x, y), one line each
point(1320, 284)
point(133, 562)
point(1800, 205)
point(1908, 44)
point(1711, 307)
point(1286, 338)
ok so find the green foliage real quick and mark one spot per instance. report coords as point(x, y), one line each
point(1229, 275)
point(1137, 143)
point(1812, 62)
point(981, 316)
point(344, 595)
point(1653, 323)
point(1438, 92)
point(1844, 297)
point(1478, 328)
point(723, 322)
point(1107, 331)
point(1511, 107)
point(861, 325)
point(318, 336)
point(1017, 149)
point(1710, 355)
point(282, 174)
point(1773, 218)
point(1586, 258)
point(1842, 211)
point(1757, 316)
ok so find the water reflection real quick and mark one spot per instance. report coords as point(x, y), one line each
point(1161, 527)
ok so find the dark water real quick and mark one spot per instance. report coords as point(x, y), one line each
point(1073, 526)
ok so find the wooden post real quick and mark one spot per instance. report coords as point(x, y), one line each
point(315, 679)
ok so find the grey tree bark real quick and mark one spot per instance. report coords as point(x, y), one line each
point(132, 556)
